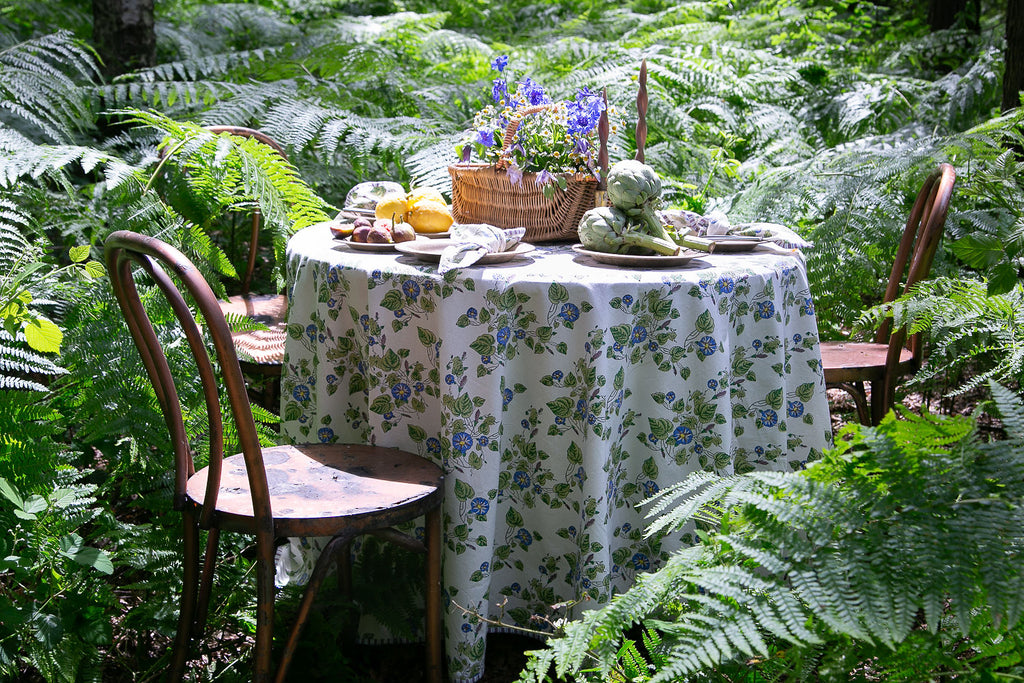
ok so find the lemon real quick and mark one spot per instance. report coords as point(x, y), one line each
point(430, 216)
point(392, 206)
point(420, 194)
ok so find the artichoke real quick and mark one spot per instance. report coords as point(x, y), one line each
point(607, 229)
point(633, 185)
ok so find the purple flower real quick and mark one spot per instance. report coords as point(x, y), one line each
point(533, 92)
point(584, 113)
point(499, 90)
point(484, 137)
point(515, 174)
point(500, 63)
point(543, 178)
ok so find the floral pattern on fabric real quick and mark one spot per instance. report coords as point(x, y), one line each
point(558, 395)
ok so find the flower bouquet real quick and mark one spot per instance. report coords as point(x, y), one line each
point(529, 161)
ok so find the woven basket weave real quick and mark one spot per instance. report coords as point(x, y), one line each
point(483, 193)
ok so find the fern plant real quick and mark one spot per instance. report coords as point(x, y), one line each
point(904, 536)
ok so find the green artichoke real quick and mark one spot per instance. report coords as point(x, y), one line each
point(607, 229)
point(633, 185)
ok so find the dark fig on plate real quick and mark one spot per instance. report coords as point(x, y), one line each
point(360, 222)
point(361, 233)
point(403, 232)
point(378, 235)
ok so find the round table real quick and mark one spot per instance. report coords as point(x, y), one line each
point(558, 393)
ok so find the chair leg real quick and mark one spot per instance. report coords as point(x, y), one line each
point(880, 401)
point(433, 596)
point(344, 564)
point(860, 399)
point(183, 638)
point(338, 543)
point(265, 594)
point(206, 583)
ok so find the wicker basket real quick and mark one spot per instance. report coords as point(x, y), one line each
point(483, 193)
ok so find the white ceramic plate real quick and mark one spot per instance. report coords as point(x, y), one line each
point(369, 246)
point(435, 235)
point(725, 243)
point(638, 261)
point(430, 250)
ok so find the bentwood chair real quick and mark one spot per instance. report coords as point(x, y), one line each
point(340, 491)
point(261, 352)
point(891, 354)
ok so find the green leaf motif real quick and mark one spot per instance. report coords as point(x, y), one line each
point(774, 399)
point(557, 293)
point(484, 345)
point(561, 407)
point(513, 518)
point(463, 491)
point(427, 338)
point(660, 427)
point(805, 392)
point(381, 405)
point(393, 300)
point(705, 323)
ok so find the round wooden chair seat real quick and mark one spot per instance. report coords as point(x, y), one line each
point(859, 361)
point(322, 489)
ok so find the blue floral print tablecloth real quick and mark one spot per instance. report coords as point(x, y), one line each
point(557, 393)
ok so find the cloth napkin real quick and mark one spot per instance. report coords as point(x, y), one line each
point(783, 239)
point(473, 241)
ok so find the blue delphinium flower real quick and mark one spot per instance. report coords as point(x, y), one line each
point(533, 92)
point(499, 63)
point(484, 137)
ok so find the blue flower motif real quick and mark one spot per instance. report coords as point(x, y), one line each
point(433, 445)
point(641, 562)
point(807, 308)
point(572, 530)
point(466, 628)
point(311, 332)
point(581, 407)
point(652, 438)
point(586, 582)
point(485, 359)
point(485, 566)
point(580, 476)
point(617, 347)
point(331, 379)
point(759, 450)
point(765, 310)
point(639, 335)
point(557, 375)
point(401, 392)
point(756, 344)
point(707, 345)
point(418, 387)
point(559, 420)
point(769, 418)
point(332, 275)
point(506, 397)
point(503, 335)
point(797, 338)
point(537, 489)
point(471, 313)
point(520, 333)
point(499, 63)
point(524, 537)
point(516, 587)
point(377, 275)
point(390, 415)
point(479, 506)
point(449, 378)
point(461, 441)
point(300, 393)
point(484, 137)
point(325, 434)
point(521, 479)
point(399, 312)
point(570, 313)
point(712, 384)
point(411, 288)
point(726, 285)
point(483, 440)
point(332, 302)
point(364, 320)
point(682, 435)
point(627, 300)
point(795, 409)
point(626, 527)
point(650, 488)
point(525, 424)
point(698, 449)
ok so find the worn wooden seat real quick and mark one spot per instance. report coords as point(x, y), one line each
point(892, 354)
point(340, 491)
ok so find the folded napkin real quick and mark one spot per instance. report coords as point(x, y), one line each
point(717, 223)
point(473, 241)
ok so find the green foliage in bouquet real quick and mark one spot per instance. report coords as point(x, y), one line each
point(562, 137)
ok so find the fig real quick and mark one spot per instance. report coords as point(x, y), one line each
point(403, 232)
point(378, 235)
point(359, 222)
point(361, 233)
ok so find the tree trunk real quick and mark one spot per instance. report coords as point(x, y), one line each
point(943, 14)
point(124, 34)
point(1013, 77)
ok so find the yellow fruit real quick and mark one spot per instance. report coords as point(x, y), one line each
point(430, 216)
point(392, 206)
point(420, 194)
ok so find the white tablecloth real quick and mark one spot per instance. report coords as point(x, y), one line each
point(557, 393)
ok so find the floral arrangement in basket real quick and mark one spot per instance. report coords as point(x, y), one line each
point(522, 149)
point(550, 137)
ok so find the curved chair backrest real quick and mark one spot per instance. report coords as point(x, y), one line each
point(254, 236)
point(123, 250)
point(918, 246)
